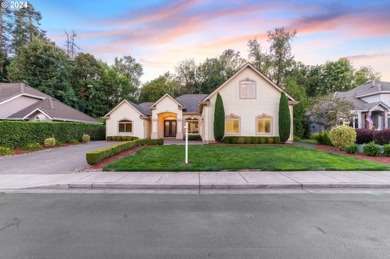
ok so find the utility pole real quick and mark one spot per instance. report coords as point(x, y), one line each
point(70, 44)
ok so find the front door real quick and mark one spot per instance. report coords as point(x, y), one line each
point(169, 128)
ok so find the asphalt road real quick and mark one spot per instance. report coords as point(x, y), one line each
point(50, 161)
point(194, 226)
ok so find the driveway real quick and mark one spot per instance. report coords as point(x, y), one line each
point(50, 161)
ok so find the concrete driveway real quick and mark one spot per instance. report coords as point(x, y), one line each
point(50, 161)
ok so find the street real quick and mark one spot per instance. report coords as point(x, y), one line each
point(122, 225)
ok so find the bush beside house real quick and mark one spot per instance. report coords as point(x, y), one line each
point(18, 134)
point(98, 156)
point(284, 119)
point(364, 136)
point(219, 119)
point(342, 136)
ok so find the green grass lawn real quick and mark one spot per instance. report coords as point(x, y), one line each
point(216, 158)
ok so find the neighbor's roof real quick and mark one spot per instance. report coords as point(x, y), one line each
point(56, 110)
point(370, 88)
point(10, 90)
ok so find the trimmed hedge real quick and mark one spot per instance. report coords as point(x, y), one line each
point(381, 137)
point(284, 118)
point(251, 140)
point(219, 119)
point(371, 149)
point(364, 136)
point(97, 156)
point(121, 138)
point(17, 134)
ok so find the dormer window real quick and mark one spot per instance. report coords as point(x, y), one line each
point(247, 89)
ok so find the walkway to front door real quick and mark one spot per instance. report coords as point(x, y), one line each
point(169, 128)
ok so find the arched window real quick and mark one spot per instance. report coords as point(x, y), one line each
point(232, 125)
point(125, 126)
point(264, 124)
point(247, 89)
point(193, 126)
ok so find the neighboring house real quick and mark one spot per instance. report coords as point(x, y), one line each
point(19, 101)
point(251, 103)
point(372, 104)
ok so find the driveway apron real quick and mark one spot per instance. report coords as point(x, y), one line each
point(50, 161)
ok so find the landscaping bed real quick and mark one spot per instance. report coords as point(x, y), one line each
point(260, 157)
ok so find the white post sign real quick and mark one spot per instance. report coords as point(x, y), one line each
point(186, 140)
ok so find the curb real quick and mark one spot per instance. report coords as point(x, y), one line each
point(130, 186)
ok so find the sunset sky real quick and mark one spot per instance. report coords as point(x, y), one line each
point(159, 33)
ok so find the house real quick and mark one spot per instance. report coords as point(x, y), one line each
point(19, 101)
point(251, 103)
point(371, 104)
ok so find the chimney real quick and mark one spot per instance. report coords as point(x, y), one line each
point(51, 103)
point(22, 87)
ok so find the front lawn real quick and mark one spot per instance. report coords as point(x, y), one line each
point(262, 157)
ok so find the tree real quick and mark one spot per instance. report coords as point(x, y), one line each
point(280, 53)
point(328, 111)
point(337, 76)
point(127, 66)
point(261, 61)
point(46, 67)
point(365, 74)
point(284, 119)
point(300, 121)
point(155, 89)
point(5, 30)
point(219, 119)
point(26, 27)
point(186, 72)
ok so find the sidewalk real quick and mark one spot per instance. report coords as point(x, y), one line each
point(198, 180)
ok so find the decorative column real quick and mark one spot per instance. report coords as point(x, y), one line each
point(360, 123)
point(179, 133)
point(154, 126)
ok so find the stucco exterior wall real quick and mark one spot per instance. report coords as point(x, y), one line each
point(15, 105)
point(166, 105)
point(125, 112)
point(266, 102)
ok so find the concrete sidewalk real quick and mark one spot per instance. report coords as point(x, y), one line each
point(198, 180)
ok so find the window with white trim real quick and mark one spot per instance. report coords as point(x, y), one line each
point(232, 125)
point(264, 124)
point(248, 89)
point(193, 126)
point(125, 126)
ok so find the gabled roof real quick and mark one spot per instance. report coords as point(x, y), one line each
point(356, 94)
point(55, 109)
point(249, 65)
point(166, 96)
point(12, 90)
point(191, 101)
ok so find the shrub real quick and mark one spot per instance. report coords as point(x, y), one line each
point(59, 143)
point(322, 138)
point(74, 141)
point(5, 151)
point(17, 134)
point(121, 138)
point(364, 136)
point(219, 119)
point(251, 140)
point(371, 149)
point(381, 137)
point(296, 138)
point(386, 150)
point(33, 147)
point(86, 138)
point(97, 156)
point(49, 142)
point(352, 148)
point(284, 119)
point(342, 136)
point(193, 138)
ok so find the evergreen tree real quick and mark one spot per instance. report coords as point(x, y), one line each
point(219, 119)
point(284, 119)
point(5, 30)
point(26, 27)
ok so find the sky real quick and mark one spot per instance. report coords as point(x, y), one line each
point(161, 33)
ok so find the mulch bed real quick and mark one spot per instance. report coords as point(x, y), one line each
point(18, 151)
point(330, 149)
point(118, 156)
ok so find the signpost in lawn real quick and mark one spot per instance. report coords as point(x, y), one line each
point(186, 138)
